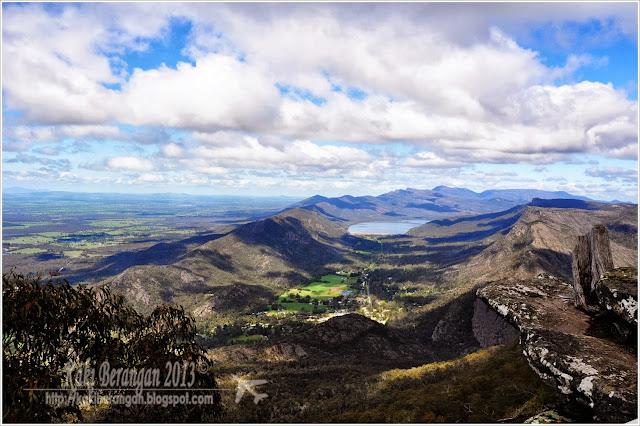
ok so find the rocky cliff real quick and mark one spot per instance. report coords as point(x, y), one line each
point(591, 258)
point(558, 338)
point(489, 328)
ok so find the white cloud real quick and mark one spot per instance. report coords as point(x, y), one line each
point(172, 150)
point(613, 173)
point(128, 163)
point(33, 134)
point(219, 92)
point(204, 167)
point(297, 155)
point(491, 98)
point(431, 160)
point(150, 178)
point(457, 95)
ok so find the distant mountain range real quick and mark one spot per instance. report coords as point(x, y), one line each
point(20, 190)
point(439, 202)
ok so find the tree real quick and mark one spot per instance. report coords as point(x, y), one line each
point(48, 325)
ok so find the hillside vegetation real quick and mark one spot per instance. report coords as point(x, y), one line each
point(248, 268)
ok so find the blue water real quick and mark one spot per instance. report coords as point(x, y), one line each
point(385, 228)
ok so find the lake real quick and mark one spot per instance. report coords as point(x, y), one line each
point(385, 228)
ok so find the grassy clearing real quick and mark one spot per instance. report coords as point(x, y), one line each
point(72, 253)
point(243, 339)
point(14, 225)
point(29, 251)
point(291, 307)
point(116, 223)
point(52, 234)
point(328, 286)
point(89, 246)
point(30, 240)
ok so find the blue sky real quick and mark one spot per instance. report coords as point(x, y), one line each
point(322, 98)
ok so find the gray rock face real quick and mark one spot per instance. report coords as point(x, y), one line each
point(489, 328)
point(453, 330)
point(591, 258)
point(449, 325)
point(598, 372)
point(617, 291)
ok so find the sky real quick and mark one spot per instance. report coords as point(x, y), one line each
point(300, 99)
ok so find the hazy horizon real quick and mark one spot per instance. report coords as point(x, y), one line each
point(294, 197)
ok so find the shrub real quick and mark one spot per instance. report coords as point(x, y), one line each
point(50, 324)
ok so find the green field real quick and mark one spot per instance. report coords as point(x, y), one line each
point(29, 240)
point(116, 223)
point(72, 253)
point(15, 225)
point(297, 307)
point(29, 251)
point(52, 234)
point(243, 339)
point(328, 286)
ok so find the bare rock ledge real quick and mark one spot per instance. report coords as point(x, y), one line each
point(598, 372)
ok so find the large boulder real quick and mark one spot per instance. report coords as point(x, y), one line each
point(617, 291)
point(591, 258)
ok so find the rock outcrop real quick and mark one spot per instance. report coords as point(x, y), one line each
point(553, 333)
point(591, 258)
point(546, 417)
point(617, 291)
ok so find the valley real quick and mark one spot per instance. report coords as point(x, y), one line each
point(284, 292)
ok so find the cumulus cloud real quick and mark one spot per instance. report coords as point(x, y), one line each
point(429, 159)
point(204, 167)
point(446, 94)
point(61, 163)
point(38, 134)
point(455, 95)
point(172, 150)
point(219, 92)
point(150, 178)
point(297, 155)
point(613, 173)
point(120, 163)
point(129, 163)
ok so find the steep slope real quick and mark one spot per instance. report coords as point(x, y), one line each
point(468, 228)
point(244, 269)
point(543, 238)
point(278, 249)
